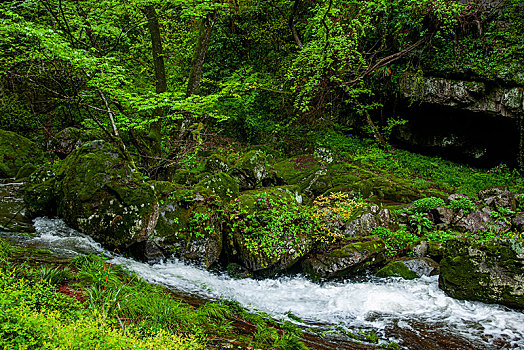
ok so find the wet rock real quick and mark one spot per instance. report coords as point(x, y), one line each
point(15, 152)
point(350, 256)
point(490, 272)
point(102, 195)
point(189, 224)
point(409, 268)
point(250, 170)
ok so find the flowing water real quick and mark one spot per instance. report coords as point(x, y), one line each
point(413, 313)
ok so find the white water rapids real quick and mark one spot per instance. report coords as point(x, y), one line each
point(374, 305)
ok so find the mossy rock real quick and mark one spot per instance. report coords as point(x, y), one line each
point(25, 171)
point(189, 177)
point(267, 231)
point(346, 258)
point(396, 269)
point(409, 268)
point(315, 178)
point(102, 195)
point(189, 225)
point(221, 184)
point(491, 272)
point(250, 170)
point(69, 139)
point(15, 152)
point(216, 164)
point(40, 192)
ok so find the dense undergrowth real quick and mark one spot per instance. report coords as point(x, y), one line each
point(90, 304)
point(423, 171)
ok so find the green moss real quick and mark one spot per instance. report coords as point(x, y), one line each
point(396, 269)
point(25, 171)
point(15, 152)
point(489, 271)
point(102, 195)
point(221, 184)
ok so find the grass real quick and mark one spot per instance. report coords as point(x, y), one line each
point(90, 304)
point(423, 171)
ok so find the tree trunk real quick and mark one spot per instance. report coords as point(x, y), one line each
point(206, 27)
point(155, 130)
point(204, 36)
point(376, 133)
point(520, 156)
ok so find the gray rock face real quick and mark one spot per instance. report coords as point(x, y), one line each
point(491, 272)
point(365, 223)
point(468, 95)
point(352, 256)
point(497, 197)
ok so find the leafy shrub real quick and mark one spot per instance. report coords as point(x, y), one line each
point(330, 209)
point(462, 203)
point(439, 236)
point(424, 205)
point(274, 222)
point(396, 242)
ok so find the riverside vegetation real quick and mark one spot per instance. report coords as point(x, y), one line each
point(258, 138)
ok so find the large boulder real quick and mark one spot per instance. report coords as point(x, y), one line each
point(101, 194)
point(250, 170)
point(222, 185)
point(69, 139)
point(189, 224)
point(15, 152)
point(409, 268)
point(345, 258)
point(491, 272)
point(40, 192)
point(268, 230)
point(315, 177)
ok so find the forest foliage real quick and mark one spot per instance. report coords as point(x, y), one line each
point(256, 69)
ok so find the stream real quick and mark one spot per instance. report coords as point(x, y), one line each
point(416, 314)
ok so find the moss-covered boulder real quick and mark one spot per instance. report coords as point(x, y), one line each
point(222, 185)
point(268, 231)
point(315, 177)
point(15, 152)
point(40, 192)
point(250, 170)
point(346, 257)
point(102, 195)
point(216, 164)
point(189, 177)
point(189, 225)
point(491, 272)
point(409, 268)
point(69, 139)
